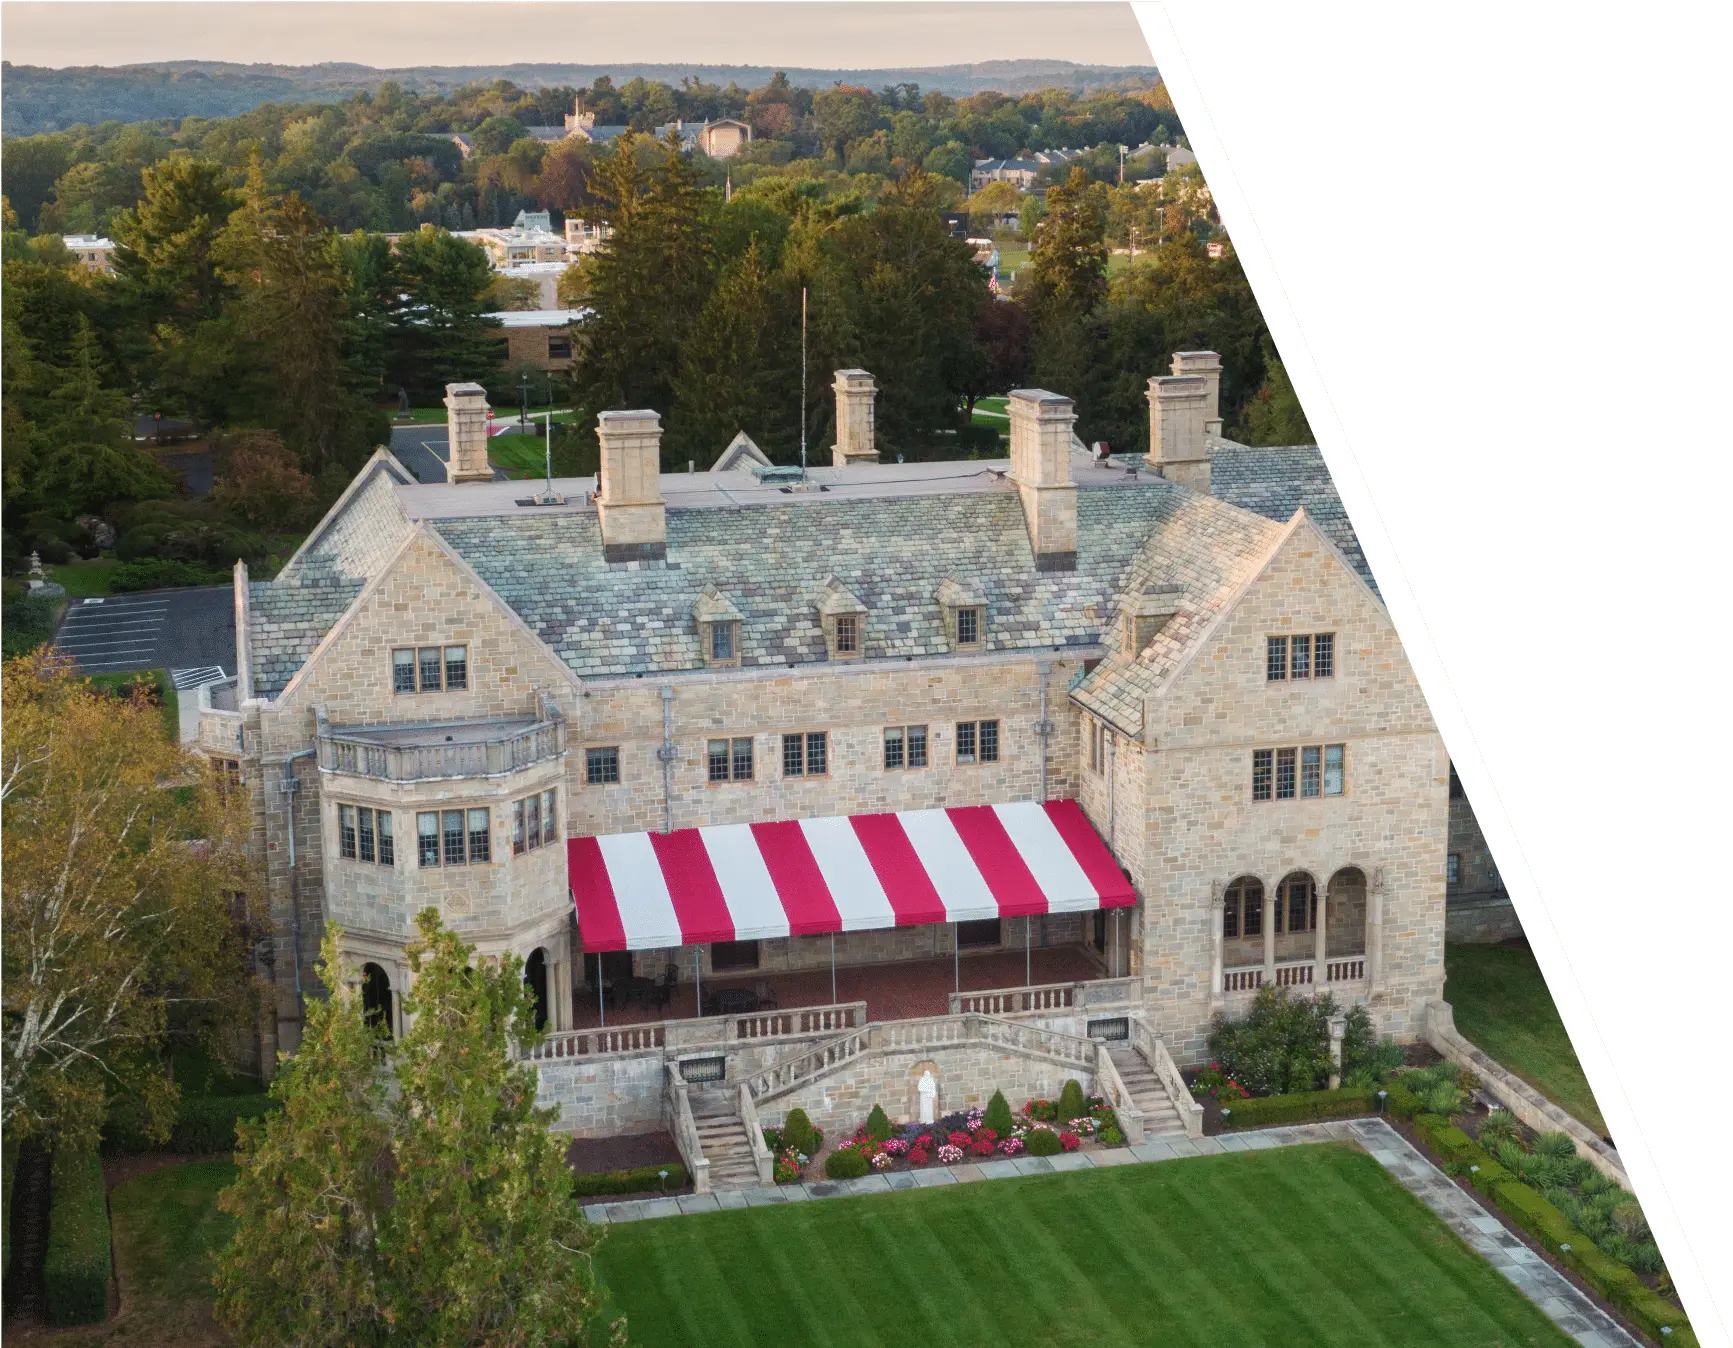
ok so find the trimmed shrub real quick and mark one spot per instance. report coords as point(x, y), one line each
point(846, 1163)
point(1071, 1102)
point(207, 1123)
point(1042, 1142)
point(1110, 1136)
point(1400, 1102)
point(998, 1115)
point(1282, 1045)
point(798, 1135)
point(76, 1271)
point(155, 573)
point(878, 1125)
point(644, 1179)
point(1270, 1110)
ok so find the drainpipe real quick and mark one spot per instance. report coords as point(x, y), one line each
point(666, 754)
point(1043, 727)
point(292, 784)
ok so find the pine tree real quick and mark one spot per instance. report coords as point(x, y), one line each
point(306, 1263)
point(440, 331)
point(1274, 416)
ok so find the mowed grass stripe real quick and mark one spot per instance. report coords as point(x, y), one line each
point(1298, 1246)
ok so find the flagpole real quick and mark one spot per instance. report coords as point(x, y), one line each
point(803, 383)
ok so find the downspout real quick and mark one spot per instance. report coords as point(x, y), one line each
point(666, 754)
point(1043, 727)
point(292, 784)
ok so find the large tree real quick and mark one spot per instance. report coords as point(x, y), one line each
point(477, 1240)
point(122, 858)
point(441, 333)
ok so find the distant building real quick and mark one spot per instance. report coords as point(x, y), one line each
point(93, 252)
point(539, 338)
point(1216, 248)
point(545, 275)
point(530, 238)
point(465, 144)
point(586, 236)
point(721, 139)
point(1179, 157)
point(1020, 172)
point(546, 134)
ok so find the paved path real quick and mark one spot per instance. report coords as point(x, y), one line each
point(1488, 1237)
point(426, 450)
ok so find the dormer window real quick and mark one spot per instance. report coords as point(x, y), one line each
point(965, 610)
point(843, 618)
point(718, 624)
point(1143, 615)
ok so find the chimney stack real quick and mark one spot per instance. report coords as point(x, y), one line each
point(1041, 468)
point(1179, 407)
point(466, 430)
point(854, 419)
point(1209, 365)
point(629, 487)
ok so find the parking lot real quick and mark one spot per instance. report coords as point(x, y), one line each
point(163, 629)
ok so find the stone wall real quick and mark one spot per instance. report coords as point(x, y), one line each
point(1477, 907)
point(598, 1097)
point(1485, 919)
point(1203, 829)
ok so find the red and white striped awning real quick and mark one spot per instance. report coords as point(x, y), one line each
point(741, 882)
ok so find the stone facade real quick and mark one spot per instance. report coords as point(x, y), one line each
point(1121, 649)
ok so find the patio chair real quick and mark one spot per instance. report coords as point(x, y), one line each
point(664, 993)
point(766, 1002)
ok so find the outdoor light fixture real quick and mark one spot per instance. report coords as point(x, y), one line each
point(663, 1176)
point(1381, 1095)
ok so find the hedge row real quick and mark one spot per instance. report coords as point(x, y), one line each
point(1301, 1107)
point(645, 1179)
point(75, 1273)
point(206, 1123)
point(1621, 1287)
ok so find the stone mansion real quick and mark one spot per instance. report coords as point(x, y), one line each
point(705, 747)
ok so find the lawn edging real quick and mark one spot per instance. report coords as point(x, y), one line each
point(80, 1258)
point(1531, 1108)
point(1551, 1230)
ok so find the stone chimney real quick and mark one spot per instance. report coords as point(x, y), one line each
point(629, 487)
point(1041, 468)
point(466, 430)
point(1209, 365)
point(1179, 407)
point(854, 419)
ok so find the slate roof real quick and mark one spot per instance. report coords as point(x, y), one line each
point(291, 614)
point(1277, 481)
point(772, 562)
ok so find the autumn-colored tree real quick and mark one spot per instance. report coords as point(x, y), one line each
point(475, 1240)
point(122, 855)
point(259, 480)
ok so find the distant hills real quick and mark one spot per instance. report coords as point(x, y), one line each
point(35, 98)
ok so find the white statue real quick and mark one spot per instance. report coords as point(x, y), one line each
point(928, 1090)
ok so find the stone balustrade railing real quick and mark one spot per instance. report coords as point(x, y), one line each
point(1081, 995)
point(800, 1068)
point(1155, 1053)
point(685, 1130)
point(510, 751)
point(1110, 1087)
point(804, 1022)
point(1295, 974)
point(761, 1157)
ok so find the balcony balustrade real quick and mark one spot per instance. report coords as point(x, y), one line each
point(425, 753)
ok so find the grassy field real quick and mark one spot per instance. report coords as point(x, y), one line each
point(1314, 1245)
point(1501, 1003)
point(166, 1224)
point(85, 579)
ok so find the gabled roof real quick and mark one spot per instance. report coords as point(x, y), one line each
point(741, 453)
point(1275, 481)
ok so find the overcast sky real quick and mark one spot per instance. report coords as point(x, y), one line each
point(472, 32)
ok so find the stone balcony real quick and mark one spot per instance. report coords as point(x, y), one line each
point(440, 751)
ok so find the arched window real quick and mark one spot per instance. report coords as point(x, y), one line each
point(536, 980)
point(376, 998)
point(1296, 903)
point(1347, 909)
point(1243, 908)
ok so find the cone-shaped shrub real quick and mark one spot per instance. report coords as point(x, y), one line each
point(797, 1134)
point(998, 1116)
point(1072, 1105)
point(878, 1124)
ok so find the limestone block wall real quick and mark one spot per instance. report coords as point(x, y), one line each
point(967, 1075)
point(600, 1097)
point(853, 703)
point(1484, 919)
point(1203, 829)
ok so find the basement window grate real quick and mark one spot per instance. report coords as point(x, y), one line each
point(701, 1071)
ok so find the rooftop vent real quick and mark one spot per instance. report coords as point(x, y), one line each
point(775, 474)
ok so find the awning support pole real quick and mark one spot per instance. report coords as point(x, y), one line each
point(956, 956)
point(601, 1002)
point(1027, 979)
point(833, 968)
point(698, 979)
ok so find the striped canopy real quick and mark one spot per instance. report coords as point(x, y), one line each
point(740, 882)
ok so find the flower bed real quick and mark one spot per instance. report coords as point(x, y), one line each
point(1036, 1130)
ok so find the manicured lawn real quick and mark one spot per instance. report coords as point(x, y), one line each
point(1501, 1003)
point(166, 1226)
point(85, 579)
point(1314, 1245)
point(518, 452)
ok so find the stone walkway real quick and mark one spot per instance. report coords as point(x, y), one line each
point(1488, 1237)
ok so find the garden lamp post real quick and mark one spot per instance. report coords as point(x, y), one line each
point(523, 386)
point(1338, 1028)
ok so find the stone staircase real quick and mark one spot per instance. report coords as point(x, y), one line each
point(1160, 1117)
point(722, 1135)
